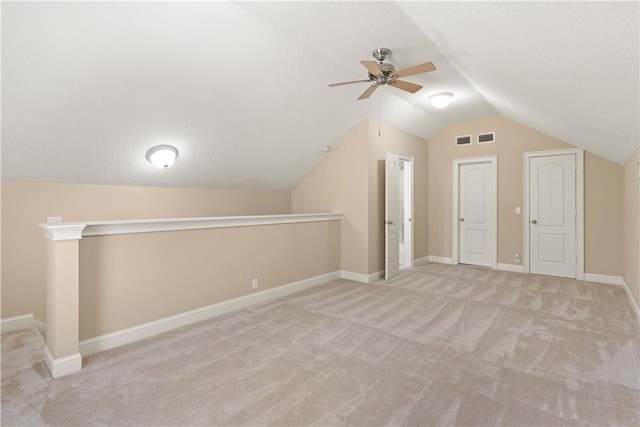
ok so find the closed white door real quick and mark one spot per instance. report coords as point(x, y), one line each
point(552, 215)
point(475, 210)
point(392, 216)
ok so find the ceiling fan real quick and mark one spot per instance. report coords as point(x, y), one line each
point(381, 73)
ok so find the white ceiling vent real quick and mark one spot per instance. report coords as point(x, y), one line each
point(486, 138)
point(463, 140)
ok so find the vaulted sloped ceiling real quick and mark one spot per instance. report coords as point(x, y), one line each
point(242, 88)
point(568, 69)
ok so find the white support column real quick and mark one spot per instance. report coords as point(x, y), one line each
point(61, 353)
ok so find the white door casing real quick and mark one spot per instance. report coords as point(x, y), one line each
point(392, 214)
point(474, 220)
point(408, 213)
point(552, 215)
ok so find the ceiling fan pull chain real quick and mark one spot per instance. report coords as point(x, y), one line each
point(379, 113)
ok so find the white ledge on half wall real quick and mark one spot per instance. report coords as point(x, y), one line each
point(68, 231)
point(77, 230)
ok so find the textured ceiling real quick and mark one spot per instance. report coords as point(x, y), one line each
point(568, 69)
point(241, 88)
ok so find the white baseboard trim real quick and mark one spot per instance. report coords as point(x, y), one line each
point(146, 330)
point(421, 261)
point(17, 323)
point(374, 277)
point(22, 322)
point(514, 268)
point(441, 259)
point(356, 277)
point(617, 281)
point(632, 302)
point(360, 277)
point(603, 278)
point(62, 366)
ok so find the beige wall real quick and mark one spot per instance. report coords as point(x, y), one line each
point(351, 181)
point(395, 140)
point(603, 192)
point(62, 287)
point(631, 270)
point(26, 204)
point(603, 216)
point(129, 279)
point(339, 184)
point(1, 244)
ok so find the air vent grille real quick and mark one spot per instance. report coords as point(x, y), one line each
point(463, 140)
point(486, 138)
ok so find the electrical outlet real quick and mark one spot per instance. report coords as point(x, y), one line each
point(517, 258)
point(518, 210)
point(54, 220)
point(255, 283)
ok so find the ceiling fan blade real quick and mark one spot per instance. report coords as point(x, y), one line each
point(373, 67)
point(409, 87)
point(418, 69)
point(367, 93)
point(348, 83)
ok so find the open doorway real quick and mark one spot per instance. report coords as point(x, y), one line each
point(398, 213)
point(406, 215)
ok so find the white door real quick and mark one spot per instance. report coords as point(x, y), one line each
point(391, 216)
point(475, 221)
point(552, 215)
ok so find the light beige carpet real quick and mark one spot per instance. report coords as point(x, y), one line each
point(438, 345)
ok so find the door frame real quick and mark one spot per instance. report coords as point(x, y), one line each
point(493, 160)
point(406, 158)
point(409, 212)
point(579, 153)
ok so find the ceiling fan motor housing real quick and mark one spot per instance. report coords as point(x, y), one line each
point(388, 70)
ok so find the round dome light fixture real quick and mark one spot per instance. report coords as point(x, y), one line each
point(162, 156)
point(441, 99)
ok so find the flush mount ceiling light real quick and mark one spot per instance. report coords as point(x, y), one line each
point(441, 100)
point(163, 156)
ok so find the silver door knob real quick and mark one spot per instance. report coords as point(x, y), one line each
point(461, 219)
point(533, 221)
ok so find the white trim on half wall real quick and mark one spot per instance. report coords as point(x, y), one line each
point(136, 333)
point(62, 366)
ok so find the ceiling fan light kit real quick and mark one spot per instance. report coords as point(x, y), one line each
point(441, 99)
point(382, 73)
